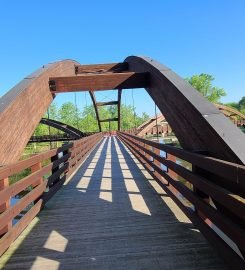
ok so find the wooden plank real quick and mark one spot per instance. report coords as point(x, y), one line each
point(98, 82)
point(4, 206)
point(120, 233)
point(231, 257)
point(23, 164)
point(232, 230)
point(231, 201)
point(113, 67)
point(57, 174)
point(48, 195)
point(17, 187)
point(9, 237)
point(12, 212)
point(232, 172)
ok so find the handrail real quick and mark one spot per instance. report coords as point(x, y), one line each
point(212, 204)
point(232, 172)
point(47, 173)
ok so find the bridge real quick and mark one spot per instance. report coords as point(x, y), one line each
point(121, 201)
point(69, 133)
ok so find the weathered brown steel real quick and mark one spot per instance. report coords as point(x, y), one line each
point(100, 68)
point(152, 160)
point(198, 124)
point(95, 108)
point(98, 82)
point(22, 108)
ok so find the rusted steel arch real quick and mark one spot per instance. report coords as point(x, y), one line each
point(73, 132)
point(149, 125)
point(231, 112)
point(198, 124)
point(22, 108)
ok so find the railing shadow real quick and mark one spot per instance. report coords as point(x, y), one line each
point(108, 216)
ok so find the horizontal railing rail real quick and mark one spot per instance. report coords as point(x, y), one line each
point(41, 176)
point(216, 210)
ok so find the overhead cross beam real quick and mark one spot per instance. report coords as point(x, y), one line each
point(98, 82)
point(100, 68)
point(101, 77)
point(107, 103)
point(109, 119)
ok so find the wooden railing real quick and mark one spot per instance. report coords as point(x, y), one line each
point(218, 212)
point(45, 175)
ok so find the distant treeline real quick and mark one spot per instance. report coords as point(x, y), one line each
point(85, 120)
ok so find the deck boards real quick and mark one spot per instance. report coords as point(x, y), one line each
point(111, 215)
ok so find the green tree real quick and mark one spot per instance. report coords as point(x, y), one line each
point(204, 84)
point(241, 104)
point(233, 105)
point(86, 120)
point(69, 114)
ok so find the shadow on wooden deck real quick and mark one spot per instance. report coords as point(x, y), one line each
point(111, 215)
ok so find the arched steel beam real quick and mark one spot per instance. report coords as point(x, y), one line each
point(73, 132)
point(22, 108)
point(95, 108)
point(198, 124)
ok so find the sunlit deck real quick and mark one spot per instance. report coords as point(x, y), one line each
point(111, 215)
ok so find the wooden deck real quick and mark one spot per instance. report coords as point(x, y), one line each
point(111, 215)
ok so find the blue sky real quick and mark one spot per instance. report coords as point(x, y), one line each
point(191, 37)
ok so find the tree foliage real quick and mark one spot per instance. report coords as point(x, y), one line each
point(204, 84)
point(240, 105)
point(86, 121)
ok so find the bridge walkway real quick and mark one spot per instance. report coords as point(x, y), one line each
point(111, 215)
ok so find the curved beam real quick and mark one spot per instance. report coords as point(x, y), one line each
point(96, 108)
point(233, 111)
point(198, 124)
point(73, 132)
point(22, 108)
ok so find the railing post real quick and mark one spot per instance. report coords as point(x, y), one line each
point(198, 192)
point(3, 184)
point(158, 163)
point(171, 158)
point(172, 173)
point(34, 168)
point(54, 158)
